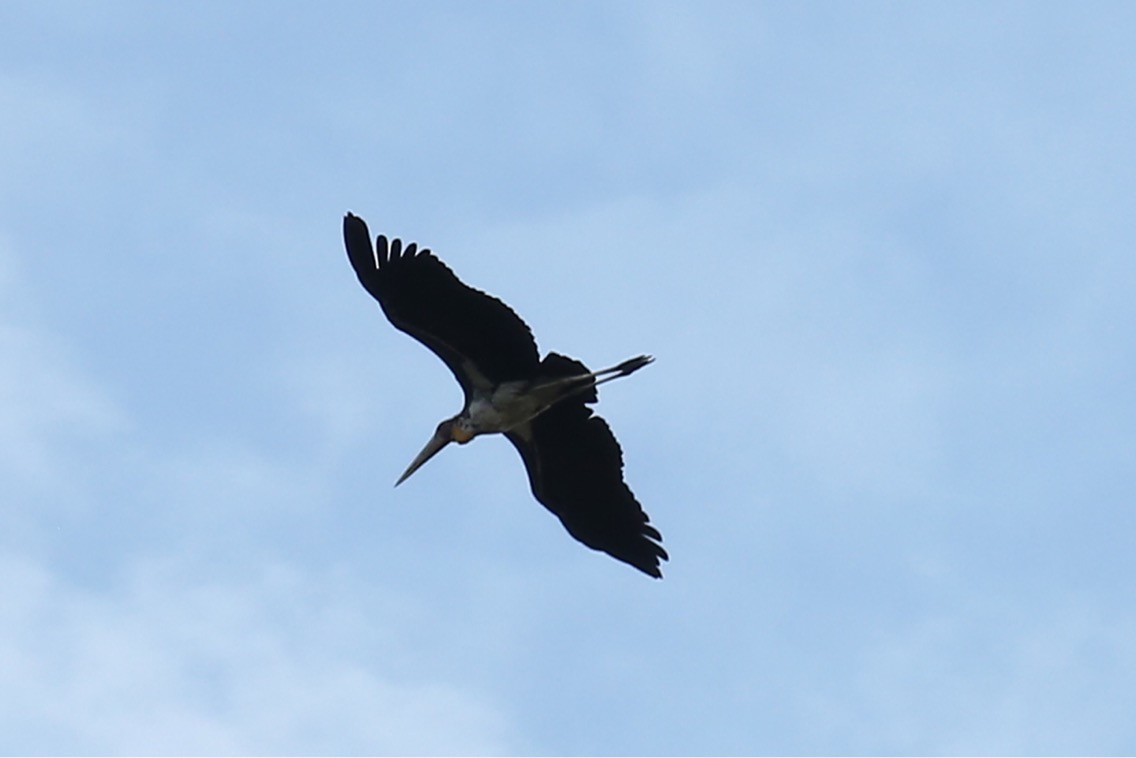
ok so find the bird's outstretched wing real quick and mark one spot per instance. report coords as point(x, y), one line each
point(479, 337)
point(575, 468)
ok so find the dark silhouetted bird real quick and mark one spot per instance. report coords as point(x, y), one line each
point(574, 463)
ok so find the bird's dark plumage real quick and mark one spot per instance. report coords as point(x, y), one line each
point(574, 463)
point(575, 469)
point(422, 297)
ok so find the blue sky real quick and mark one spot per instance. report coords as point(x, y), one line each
point(883, 253)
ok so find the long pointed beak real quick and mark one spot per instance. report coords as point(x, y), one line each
point(436, 443)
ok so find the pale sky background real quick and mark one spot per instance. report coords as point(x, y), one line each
point(885, 255)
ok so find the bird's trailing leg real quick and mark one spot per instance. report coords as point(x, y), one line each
point(596, 378)
point(555, 390)
point(626, 368)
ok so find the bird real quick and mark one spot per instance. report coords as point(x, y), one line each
point(541, 405)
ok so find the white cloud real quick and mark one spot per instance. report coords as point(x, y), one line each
point(171, 664)
point(215, 647)
point(47, 404)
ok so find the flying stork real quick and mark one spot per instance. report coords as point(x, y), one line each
point(574, 463)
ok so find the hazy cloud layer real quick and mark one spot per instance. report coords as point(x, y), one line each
point(883, 258)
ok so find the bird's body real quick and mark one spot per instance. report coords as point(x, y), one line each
point(574, 463)
point(510, 404)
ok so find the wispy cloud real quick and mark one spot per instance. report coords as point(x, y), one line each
point(51, 410)
point(138, 613)
point(168, 663)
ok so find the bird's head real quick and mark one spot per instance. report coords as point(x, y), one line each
point(456, 429)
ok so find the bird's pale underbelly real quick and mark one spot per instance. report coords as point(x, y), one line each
point(508, 406)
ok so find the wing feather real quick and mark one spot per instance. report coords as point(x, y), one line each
point(480, 339)
point(575, 468)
